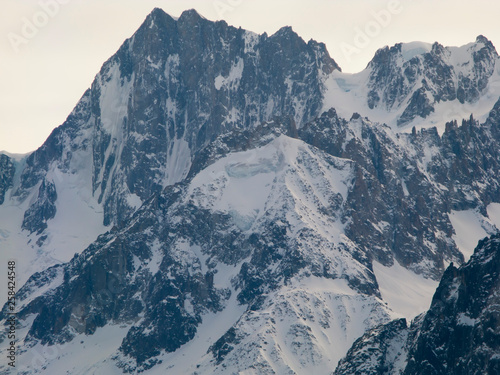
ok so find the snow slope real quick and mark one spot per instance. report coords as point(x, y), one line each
point(406, 293)
point(469, 228)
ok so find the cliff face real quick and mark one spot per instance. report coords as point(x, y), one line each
point(459, 334)
point(199, 202)
point(418, 76)
point(7, 171)
point(170, 90)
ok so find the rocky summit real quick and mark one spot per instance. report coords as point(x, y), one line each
point(224, 202)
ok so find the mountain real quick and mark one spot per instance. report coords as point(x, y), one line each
point(459, 334)
point(421, 84)
point(424, 75)
point(167, 92)
point(171, 88)
point(209, 208)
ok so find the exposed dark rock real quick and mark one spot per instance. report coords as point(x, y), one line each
point(376, 352)
point(42, 210)
point(459, 334)
point(180, 95)
point(7, 170)
point(417, 83)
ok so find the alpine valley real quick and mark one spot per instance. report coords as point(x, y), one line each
point(223, 202)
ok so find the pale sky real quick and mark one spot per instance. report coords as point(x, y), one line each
point(50, 50)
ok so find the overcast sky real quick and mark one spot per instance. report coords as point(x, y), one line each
point(50, 50)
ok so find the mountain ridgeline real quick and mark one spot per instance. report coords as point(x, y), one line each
point(419, 77)
point(241, 218)
point(170, 90)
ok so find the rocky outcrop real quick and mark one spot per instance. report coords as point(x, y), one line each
point(406, 185)
point(416, 77)
point(459, 334)
point(43, 208)
point(7, 171)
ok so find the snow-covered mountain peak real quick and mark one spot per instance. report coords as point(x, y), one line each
point(419, 84)
point(485, 42)
point(279, 180)
point(412, 49)
point(402, 53)
point(482, 50)
point(167, 93)
point(250, 226)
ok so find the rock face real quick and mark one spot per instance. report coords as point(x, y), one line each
point(170, 90)
point(417, 76)
point(458, 335)
point(378, 352)
point(260, 216)
point(406, 184)
point(191, 251)
point(238, 223)
point(43, 209)
point(7, 171)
